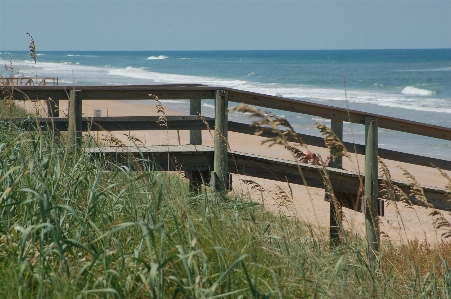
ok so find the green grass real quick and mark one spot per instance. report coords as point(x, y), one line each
point(72, 228)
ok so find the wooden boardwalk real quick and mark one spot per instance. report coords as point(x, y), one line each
point(200, 158)
point(199, 161)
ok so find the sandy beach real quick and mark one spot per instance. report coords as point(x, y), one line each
point(307, 203)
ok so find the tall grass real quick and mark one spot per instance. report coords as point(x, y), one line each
point(74, 227)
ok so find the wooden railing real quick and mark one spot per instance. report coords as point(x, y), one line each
point(27, 81)
point(75, 124)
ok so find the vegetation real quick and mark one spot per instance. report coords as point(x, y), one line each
point(73, 227)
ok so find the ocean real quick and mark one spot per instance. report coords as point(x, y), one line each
point(408, 84)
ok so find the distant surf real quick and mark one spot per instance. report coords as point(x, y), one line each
point(410, 90)
point(159, 57)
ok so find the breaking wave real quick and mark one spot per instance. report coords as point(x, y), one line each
point(410, 90)
point(159, 57)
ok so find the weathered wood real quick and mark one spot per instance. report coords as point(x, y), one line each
point(221, 144)
point(371, 206)
point(179, 91)
point(335, 219)
point(357, 148)
point(131, 123)
point(53, 108)
point(190, 158)
point(336, 113)
point(343, 181)
point(196, 178)
point(75, 119)
point(195, 108)
point(123, 92)
point(123, 123)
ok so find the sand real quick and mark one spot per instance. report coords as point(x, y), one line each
point(306, 203)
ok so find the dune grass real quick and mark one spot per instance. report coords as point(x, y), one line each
point(72, 228)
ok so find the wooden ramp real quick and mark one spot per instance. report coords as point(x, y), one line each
point(199, 158)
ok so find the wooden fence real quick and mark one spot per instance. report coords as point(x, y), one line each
point(346, 184)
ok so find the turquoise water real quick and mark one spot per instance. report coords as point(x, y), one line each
point(408, 84)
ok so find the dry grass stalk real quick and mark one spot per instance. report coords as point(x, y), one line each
point(133, 139)
point(206, 124)
point(283, 198)
point(333, 143)
point(162, 120)
point(333, 199)
point(416, 190)
point(32, 48)
point(253, 185)
point(448, 180)
point(440, 222)
point(113, 140)
point(297, 153)
point(391, 193)
point(269, 122)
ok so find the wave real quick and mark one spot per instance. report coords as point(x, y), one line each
point(410, 90)
point(73, 55)
point(411, 98)
point(440, 69)
point(159, 57)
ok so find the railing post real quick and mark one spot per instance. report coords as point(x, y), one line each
point(371, 199)
point(335, 215)
point(196, 178)
point(221, 177)
point(195, 108)
point(75, 119)
point(52, 107)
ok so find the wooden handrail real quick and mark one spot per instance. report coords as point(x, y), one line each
point(197, 91)
point(340, 114)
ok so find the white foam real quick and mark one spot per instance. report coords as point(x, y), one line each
point(73, 55)
point(208, 106)
point(159, 57)
point(410, 90)
point(82, 74)
point(440, 69)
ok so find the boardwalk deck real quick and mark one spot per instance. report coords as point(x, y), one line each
point(200, 158)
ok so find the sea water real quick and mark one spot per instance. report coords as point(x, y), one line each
point(408, 84)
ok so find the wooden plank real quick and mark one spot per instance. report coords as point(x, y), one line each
point(75, 119)
point(359, 148)
point(53, 107)
point(164, 158)
point(344, 181)
point(195, 108)
point(126, 123)
point(340, 114)
point(204, 92)
point(221, 175)
point(371, 205)
point(196, 178)
point(122, 92)
point(131, 123)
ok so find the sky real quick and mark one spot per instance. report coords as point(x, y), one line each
point(224, 24)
